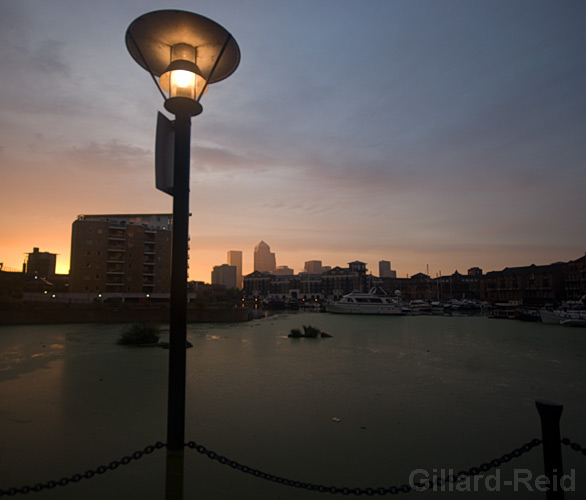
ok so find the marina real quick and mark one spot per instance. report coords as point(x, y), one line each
point(384, 396)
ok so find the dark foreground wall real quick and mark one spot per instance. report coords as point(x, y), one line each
point(57, 313)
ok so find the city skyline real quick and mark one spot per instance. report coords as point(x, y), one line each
point(385, 269)
point(443, 134)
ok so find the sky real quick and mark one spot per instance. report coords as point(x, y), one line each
point(437, 134)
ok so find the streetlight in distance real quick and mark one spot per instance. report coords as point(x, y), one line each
point(184, 53)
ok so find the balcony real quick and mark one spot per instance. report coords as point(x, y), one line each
point(115, 258)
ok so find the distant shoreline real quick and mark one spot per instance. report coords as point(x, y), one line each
point(23, 314)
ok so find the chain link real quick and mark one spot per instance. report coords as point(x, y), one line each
point(393, 490)
point(574, 446)
point(102, 469)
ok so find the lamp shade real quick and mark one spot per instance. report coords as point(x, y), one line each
point(151, 37)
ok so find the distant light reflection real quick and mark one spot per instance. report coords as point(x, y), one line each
point(17, 359)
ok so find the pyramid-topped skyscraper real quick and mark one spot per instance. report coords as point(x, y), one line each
point(264, 259)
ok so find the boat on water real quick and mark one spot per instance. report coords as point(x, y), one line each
point(367, 303)
point(573, 322)
point(418, 306)
point(559, 317)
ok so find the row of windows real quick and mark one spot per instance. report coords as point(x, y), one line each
point(120, 268)
point(119, 255)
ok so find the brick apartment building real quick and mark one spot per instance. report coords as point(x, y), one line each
point(121, 254)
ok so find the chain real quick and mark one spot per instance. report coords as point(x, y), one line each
point(574, 446)
point(393, 490)
point(345, 490)
point(76, 478)
point(485, 467)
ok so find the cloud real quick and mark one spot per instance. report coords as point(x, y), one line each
point(47, 56)
point(111, 157)
point(217, 159)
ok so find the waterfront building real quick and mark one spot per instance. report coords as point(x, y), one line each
point(575, 279)
point(264, 259)
point(41, 264)
point(313, 266)
point(257, 284)
point(530, 285)
point(235, 259)
point(310, 285)
point(121, 254)
point(225, 275)
point(339, 281)
point(474, 271)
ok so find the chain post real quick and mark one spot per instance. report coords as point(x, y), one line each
point(550, 414)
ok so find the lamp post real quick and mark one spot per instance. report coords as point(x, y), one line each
point(186, 52)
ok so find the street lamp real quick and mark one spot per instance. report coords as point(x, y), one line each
point(186, 52)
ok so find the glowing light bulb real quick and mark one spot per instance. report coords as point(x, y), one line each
point(182, 84)
point(182, 78)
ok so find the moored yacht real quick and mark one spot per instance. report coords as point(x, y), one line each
point(367, 303)
point(558, 317)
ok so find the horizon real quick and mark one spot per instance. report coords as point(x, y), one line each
point(443, 134)
point(370, 270)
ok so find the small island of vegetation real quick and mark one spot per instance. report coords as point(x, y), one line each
point(140, 334)
point(309, 332)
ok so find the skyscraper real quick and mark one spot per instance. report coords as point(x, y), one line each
point(384, 269)
point(235, 259)
point(264, 259)
point(313, 266)
point(224, 275)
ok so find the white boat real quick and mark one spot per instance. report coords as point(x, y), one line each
point(573, 322)
point(367, 303)
point(419, 307)
point(558, 316)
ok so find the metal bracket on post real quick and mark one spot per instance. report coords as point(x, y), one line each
point(550, 414)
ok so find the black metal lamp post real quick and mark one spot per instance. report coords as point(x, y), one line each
point(187, 52)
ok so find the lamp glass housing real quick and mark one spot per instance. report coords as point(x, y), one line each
point(182, 77)
point(182, 84)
